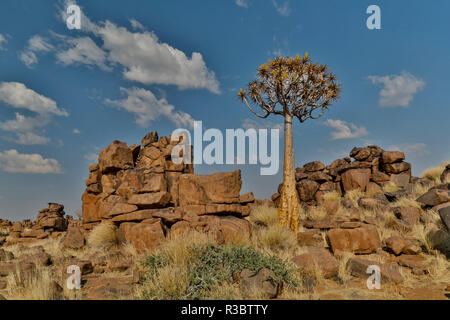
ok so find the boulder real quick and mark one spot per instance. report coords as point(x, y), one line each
point(314, 166)
point(117, 156)
point(307, 189)
point(74, 238)
point(401, 179)
point(149, 138)
point(410, 215)
point(150, 200)
point(390, 273)
point(310, 238)
point(356, 179)
point(392, 156)
point(362, 240)
point(206, 189)
point(318, 258)
point(261, 281)
point(444, 213)
point(144, 235)
point(434, 197)
point(445, 176)
point(396, 167)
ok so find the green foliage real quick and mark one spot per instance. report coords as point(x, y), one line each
point(212, 266)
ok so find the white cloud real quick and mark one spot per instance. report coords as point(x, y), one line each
point(345, 130)
point(14, 162)
point(26, 128)
point(147, 108)
point(17, 95)
point(35, 44)
point(398, 90)
point(264, 124)
point(136, 25)
point(283, 9)
point(3, 41)
point(242, 3)
point(82, 51)
point(412, 149)
point(144, 58)
point(76, 131)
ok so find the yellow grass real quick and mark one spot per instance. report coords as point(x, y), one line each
point(264, 215)
point(103, 235)
point(434, 173)
point(275, 238)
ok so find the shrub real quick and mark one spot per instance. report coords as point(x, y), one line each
point(210, 267)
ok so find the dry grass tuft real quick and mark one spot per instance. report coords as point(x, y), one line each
point(264, 215)
point(103, 235)
point(390, 187)
point(275, 238)
point(434, 173)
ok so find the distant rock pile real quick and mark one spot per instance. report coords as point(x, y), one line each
point(149, 197)
point(370, 170)
point(51, 222)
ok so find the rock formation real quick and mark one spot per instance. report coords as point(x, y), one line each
point(149, 197)
point(370, 170)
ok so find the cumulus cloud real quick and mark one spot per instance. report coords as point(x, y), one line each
point(82, 50)
point(14, 162)
point(345, 130)
point(398, 90)
point(76, 131)
point(283, 9)
point(242, 3)
point(142, 56)
point(91, 157)
point(17, 95)
point(147, 108)
point(26, 129)
point(3, 41)
point(35, 44)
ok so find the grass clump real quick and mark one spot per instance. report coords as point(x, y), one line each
point(264, 216)
point(434, 173)
point(209, 268)
point(103, 235)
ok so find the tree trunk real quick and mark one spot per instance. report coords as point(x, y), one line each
point(288, 211)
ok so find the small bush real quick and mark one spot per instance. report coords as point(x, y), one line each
point(210, 268)
point(103, 236)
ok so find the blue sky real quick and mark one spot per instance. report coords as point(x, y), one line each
point(138, 66)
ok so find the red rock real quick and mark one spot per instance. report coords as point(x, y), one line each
point(307, 189)
point(150, 200)
point(247, 198)
point(205, 189)
point(360, 240)
point(314, 166)
point(434, 197)
point(396, 167)
point(117, 156)
point(389, 272)
point(410, 215)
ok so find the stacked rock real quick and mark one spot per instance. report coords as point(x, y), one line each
point(370, 170)
point(149, 197)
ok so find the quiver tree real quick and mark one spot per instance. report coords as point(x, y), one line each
point(290, 87)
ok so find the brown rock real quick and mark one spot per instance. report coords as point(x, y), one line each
point(204, 189)
point(150, 200)
point(169, 215)
point(260, 281)
point(247, 198)
point(149, 138)
point(395, 244)
point(307, 189)
point(145, 235)
point(117, 156)
point(320, 258)
point(379, 177)
point(135, 216)
point(410, 215)
point(372, 203)
point(310, 238)
point(314, 166)
point(445, 176)
point(74, 238)
point(434, 197)
point(356, 179)
point(401, 179)
point(360, 240)
point(389, 272)
point(396, 167)
point(392, 156)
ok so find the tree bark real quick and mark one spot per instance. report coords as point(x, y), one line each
point(288, 211)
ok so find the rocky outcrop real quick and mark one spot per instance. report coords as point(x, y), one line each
point(50, 222)
point(370, 170)
point(150, 198)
